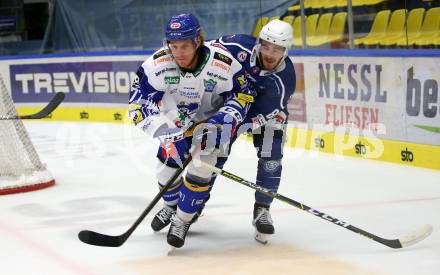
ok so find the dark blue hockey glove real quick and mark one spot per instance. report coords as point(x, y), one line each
point(226, 126)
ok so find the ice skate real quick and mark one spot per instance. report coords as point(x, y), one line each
point(177, 232)
point(263, 223)
point(163, 217)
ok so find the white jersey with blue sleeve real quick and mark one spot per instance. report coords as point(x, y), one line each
point(166, 96)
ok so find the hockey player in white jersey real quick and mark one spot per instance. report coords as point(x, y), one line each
point(185, 82)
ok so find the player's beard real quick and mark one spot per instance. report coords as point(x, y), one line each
point(190, 65)
point(269, 63)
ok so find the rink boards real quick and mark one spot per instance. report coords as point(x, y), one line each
point(381, 105)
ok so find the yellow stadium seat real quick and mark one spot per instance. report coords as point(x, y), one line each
point(395, 28)
point(311, 22)
point(297, 32)
point(288, 19)
point(374, 2)
point(312, 4)
point(394, 24)
point(436, 41)
point(366, 2)
point(413, 23)
point(321, 30)
point(429, 30)
point(326, 4)
point(337, 29)
point(294, 8)
point(261, 21)
point(339, 3)
point(333, 3)
point(378, 28)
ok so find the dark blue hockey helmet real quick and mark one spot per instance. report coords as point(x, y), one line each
point(182, 27)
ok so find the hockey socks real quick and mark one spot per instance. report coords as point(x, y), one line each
point(193, 194)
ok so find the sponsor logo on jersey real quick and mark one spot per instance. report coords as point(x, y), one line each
point(172, 79)
point(175, 25)
point(245, 97)
point(189, 92)
point(220, 65)
point(163, 59)
point(241, 56)
point(165, 70)
point(216, 76)
point(218, 45)
point(209, 85)
point(222, 58)
point(159, 54)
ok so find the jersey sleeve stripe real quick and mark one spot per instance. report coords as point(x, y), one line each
point(283, 91)
point(233, 44)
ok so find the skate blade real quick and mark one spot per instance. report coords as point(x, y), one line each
point(172, 250)
point(261, 238)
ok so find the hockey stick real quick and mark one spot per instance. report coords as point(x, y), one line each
point(50, 107)
point(95, 238)
point(404, 241)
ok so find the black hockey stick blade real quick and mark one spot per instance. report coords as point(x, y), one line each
point(98, 239)
point(46, 111)
point(53, 104)
point(405, 241)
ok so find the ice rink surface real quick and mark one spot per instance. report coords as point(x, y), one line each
point(105, 179)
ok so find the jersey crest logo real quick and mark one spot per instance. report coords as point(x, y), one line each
point(186, 110)
point(241, 56)
point(271, 166)
point(209, 85)
point(222, 58)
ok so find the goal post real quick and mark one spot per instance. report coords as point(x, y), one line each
point(21, 169)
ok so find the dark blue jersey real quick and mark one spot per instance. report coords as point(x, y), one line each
point(273, 88)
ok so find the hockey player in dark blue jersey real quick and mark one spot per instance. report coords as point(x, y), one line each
point(272, 74)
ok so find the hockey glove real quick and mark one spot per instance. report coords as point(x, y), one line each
point(226, 126)
point(173, 146)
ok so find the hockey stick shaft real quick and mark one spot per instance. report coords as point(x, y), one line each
point(98, 239)
point(413, 238)
point(47, 110)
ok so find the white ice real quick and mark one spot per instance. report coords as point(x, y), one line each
point(105, 179)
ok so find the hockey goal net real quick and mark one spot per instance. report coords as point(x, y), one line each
point(21, 169)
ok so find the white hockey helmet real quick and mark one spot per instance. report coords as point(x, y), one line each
point(277, 32)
